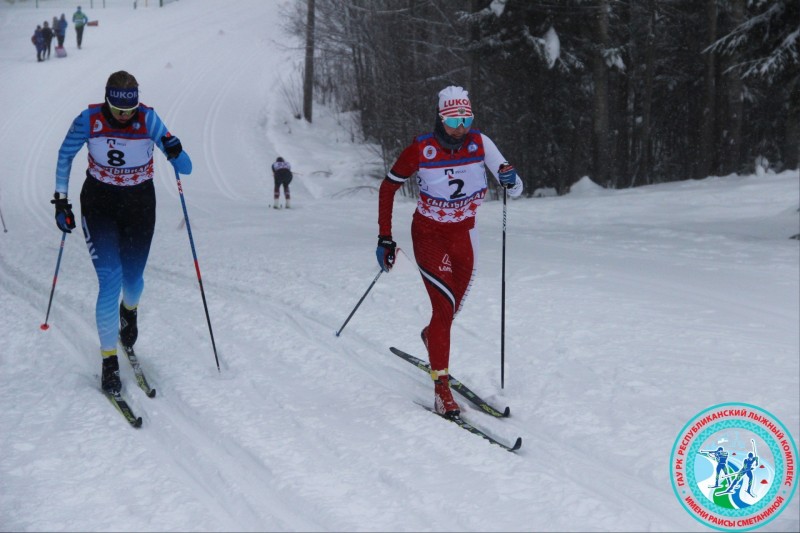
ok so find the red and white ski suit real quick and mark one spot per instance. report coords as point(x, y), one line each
point(452, 185)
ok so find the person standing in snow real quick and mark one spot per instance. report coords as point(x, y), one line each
point(47, 34)
point(79, 19)
point(38, 41)
point(118, 204)
point(61, 30)
point(450, 163)
point(282, 173)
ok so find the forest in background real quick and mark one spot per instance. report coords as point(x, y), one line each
point(627, 92)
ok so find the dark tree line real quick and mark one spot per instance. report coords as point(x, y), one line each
point(627, 92)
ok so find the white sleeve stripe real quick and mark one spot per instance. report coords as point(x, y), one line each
point(395, 178)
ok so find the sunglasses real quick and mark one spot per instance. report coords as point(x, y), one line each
point(454, 122)
point(122, 110)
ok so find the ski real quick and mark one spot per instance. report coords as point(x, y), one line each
point(456, 385)
point(124, 409)
point(137, 371)
point(460, 422)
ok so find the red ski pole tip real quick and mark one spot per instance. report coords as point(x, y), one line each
point(44, 327)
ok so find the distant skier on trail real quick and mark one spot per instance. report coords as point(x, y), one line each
point(450, 163)
point(282, 174)
point(118, 205)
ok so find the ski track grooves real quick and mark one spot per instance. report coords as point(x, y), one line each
point(272, 303)
point(210, 138)
point(81, 332)
point(245, 484)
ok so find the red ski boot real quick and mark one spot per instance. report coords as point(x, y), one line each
point(443, 402)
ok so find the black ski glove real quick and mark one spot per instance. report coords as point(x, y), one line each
point(172, 146)
point(385, 252)
point(65, 220)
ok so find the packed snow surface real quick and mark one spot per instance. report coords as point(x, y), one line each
point(627, 312)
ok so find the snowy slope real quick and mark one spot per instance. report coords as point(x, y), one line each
point(627, 313)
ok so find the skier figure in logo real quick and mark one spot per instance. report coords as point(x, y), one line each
point(721, 457)
point(746, 470)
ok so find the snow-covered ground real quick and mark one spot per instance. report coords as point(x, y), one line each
point(627, 312)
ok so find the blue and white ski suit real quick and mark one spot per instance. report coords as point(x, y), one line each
point(117, 204)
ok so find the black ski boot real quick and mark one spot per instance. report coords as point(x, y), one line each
point(110, 380)
point(128, 330)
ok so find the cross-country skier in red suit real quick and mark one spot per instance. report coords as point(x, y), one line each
point(450, 164)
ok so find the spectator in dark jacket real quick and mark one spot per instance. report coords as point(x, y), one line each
point(38, 41)
point(61, 29)
point(47, 34)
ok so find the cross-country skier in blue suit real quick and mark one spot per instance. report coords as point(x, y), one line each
point(118, 204)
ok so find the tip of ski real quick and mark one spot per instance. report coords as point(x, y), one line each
point(123, 408)
point(458, 386)
point(481, 433)
point(138, 372)
point(472, 428)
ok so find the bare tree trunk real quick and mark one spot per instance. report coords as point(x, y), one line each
point(600, 129)
point(706, 155)
point(646, 146)
point(792, 146)
point(731, 151)
point(475, 59)
point(308, 79)
point(626, 104)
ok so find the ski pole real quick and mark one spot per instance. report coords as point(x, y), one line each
point(503, 298)
point(5, 230)
point(196, 265)
point(45, 326)
point(359, 302)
